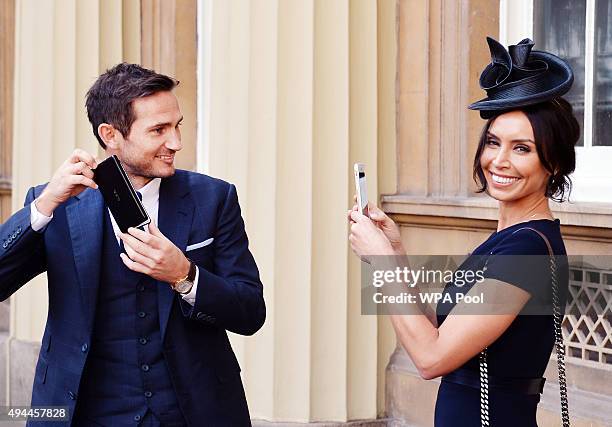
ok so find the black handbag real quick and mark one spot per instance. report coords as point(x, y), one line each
point(560, 349)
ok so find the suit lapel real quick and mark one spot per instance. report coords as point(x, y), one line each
point(174, 218)
point(85, 218)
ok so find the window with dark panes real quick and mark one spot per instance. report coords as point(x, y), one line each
point(602, 94)
point(559, 27)
point(580, 32)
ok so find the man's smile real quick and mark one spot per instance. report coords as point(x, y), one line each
point(167, 158)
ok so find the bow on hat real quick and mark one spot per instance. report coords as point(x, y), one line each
point(513, 64)
point(519, 76)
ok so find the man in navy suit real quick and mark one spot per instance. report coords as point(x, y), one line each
point(136, 328)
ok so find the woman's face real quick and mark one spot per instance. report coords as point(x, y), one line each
point(509, 160)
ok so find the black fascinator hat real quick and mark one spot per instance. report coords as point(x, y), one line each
point(519, 77)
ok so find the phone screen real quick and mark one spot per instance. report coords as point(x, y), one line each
point(361, 186)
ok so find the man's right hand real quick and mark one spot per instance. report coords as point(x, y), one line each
point(72, 178)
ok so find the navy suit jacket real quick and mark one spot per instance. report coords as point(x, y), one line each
point(202, 365)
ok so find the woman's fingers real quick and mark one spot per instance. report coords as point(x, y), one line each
point(357, 217)
point(375, 209)
point(380, 217)
point(348, 216)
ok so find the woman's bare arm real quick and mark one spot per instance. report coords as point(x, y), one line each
point(438, 351)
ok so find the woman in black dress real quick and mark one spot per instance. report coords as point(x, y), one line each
point(492, 364)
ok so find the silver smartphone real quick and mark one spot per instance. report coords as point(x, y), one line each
point(360, 188)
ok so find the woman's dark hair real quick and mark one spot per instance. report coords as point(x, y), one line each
point(556, 132)
point(110, 98)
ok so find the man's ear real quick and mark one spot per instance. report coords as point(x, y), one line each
point(110, 136)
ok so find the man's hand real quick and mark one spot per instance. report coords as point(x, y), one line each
point(72, 178)
point(154, 255)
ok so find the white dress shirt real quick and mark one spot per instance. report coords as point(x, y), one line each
point(150, 200)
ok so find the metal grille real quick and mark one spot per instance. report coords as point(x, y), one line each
point(587, 329)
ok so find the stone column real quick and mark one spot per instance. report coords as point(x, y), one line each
point(290, 96)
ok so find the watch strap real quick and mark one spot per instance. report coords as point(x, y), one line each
point(191, 276)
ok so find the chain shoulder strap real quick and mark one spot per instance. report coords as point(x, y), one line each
point(560, 348)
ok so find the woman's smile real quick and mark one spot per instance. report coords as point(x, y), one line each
point(502, 181)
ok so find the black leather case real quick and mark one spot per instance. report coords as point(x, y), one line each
point(119, 195)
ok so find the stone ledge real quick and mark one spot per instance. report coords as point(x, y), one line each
point(581, 214)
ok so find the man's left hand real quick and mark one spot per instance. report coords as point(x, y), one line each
point(154, 255)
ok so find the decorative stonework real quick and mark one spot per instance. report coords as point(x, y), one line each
point(587, 328)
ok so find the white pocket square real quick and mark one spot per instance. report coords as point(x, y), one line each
point(199, 245)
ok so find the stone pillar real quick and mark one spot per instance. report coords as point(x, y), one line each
point(290, 96)
point(167, 43)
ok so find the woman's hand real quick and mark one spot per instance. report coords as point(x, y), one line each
point(386, 225)
point(367, 239)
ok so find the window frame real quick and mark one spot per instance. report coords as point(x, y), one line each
point(593, 175)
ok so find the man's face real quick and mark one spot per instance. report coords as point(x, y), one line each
point(148, 151)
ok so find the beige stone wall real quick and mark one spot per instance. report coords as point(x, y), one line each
point(298, 91)
point(7, 54)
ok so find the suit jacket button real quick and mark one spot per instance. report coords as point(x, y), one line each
point(5, 245)
point(84, 348)
point(71, 395)
point(136, 417)
point(14, 235)
point(19, 229)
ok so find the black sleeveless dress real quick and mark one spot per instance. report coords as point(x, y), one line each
point(524, 349)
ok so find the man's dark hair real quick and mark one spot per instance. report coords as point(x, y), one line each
point(110, 98)
point(556, 132)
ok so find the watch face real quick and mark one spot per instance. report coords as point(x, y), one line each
point(183, 287)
